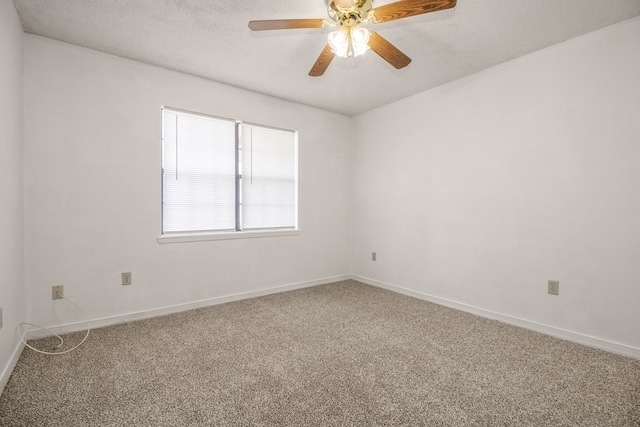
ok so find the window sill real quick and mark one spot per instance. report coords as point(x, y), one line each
point(203, 237)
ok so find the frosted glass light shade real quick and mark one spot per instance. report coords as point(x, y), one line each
point(359, 40)
point(339, 41)
point(349, 41)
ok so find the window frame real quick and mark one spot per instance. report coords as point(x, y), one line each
point(212, 235)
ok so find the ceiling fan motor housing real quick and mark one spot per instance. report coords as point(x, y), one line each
point(349, 12)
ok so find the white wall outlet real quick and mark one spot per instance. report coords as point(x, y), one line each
point(57, 292)
point(0, 317)
point(126, 279)
point(374, 256)
point(553, 287)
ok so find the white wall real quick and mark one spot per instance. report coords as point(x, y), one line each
point(12, 295)
point(481, 190)
point(478, 191)
point(92, 179)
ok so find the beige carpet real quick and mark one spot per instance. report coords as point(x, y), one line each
point(334, 355)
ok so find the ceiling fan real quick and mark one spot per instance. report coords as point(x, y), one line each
point(350, 39)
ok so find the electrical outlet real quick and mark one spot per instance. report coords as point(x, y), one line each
point(374, 256)
point(57, 292)
point(126, 279)
point(0, 317)
point(553, 287)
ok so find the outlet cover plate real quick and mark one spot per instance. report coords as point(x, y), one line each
point(0, 317)
point(57, 292)
point(553, 287)
point(126, 279)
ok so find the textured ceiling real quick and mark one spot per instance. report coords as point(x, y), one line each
point(210, 39)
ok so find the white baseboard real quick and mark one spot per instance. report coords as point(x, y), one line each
point(8, 369)
point(33, 333)
point(576, 337)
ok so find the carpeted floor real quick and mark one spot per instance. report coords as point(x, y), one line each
point(334, 355)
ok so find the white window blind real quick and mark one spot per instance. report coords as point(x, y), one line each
point(199, 173)
point(220, 175)
point(269, 185)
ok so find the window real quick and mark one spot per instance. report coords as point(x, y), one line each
point(222, 176)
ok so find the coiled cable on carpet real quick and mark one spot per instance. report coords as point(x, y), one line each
point(22, 338)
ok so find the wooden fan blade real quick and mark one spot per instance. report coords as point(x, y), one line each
point(407, 8)
point(285, 24)
point(323, 61)
point(387, 51)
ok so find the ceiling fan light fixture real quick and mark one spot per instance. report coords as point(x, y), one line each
point(349, 41)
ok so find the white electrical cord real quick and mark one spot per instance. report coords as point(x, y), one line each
point(53, 333)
